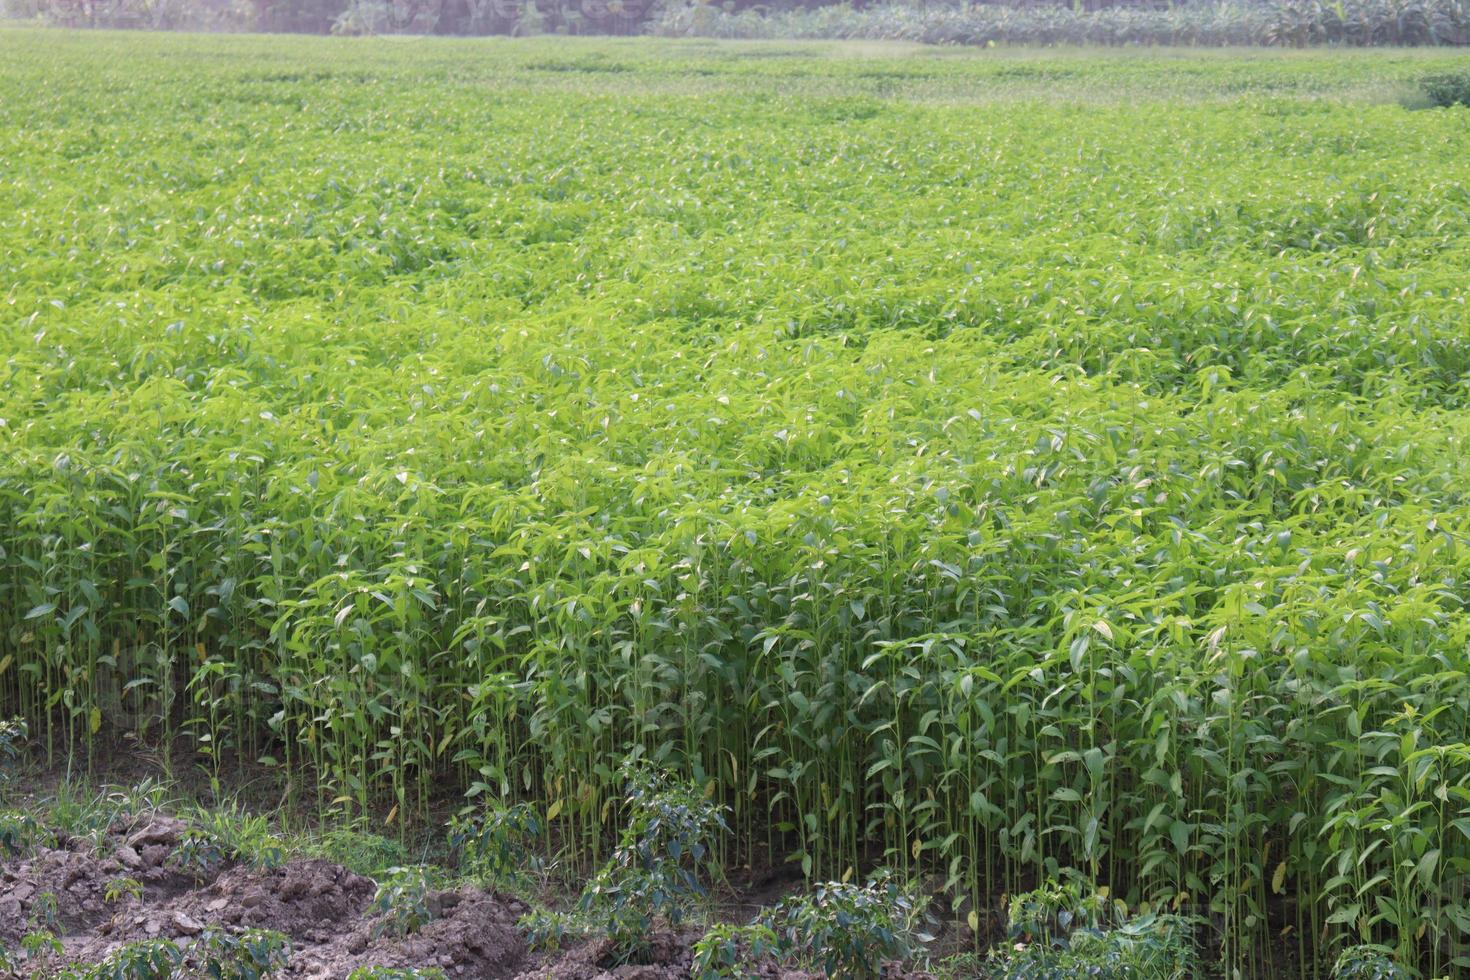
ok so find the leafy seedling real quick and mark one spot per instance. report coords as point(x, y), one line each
point(401, 903)
point(653, 874)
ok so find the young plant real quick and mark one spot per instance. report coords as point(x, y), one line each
point(395, 973)
point(147, 959)
point(1146, 948)
point(1052, 913)
point(40, 947)
point(45, 913)
point(847, 930)
point(80, 811)
point(1368, 963)
point(548, 930)
point(240, 836)
point(13, 736)
point(120, 889)
point(249, 955)
point(653, 874)
point(401, 903)
point(1069, 928)
point(360, 851)
point(497, 843)
point(19, 833)
point(199, 854)
point(726, 952)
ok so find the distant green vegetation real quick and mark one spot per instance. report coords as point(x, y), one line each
point(1270, 23)
point(1202, 23)
point(981, 464)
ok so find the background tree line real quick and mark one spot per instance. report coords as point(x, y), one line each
point(453, 17)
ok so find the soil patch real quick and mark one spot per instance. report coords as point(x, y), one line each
point(74, 885)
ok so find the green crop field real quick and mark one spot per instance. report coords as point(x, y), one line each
point(982, 463)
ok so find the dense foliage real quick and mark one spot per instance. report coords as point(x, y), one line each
point(991, 464)
point(1067, 929)
point(1448, 90)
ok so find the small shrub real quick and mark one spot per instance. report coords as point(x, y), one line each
point(496, 842)
point(45, 913)
point(1448, 89)
point(1368, 963)
point(847, 930)
point(40, 945)
point(547, 930)
point(19, 833)
point(1068, 929)
point(249, 955)
point(401, 903)
point(220, 837)
point(199, 854)
point(725, 952)
point(652, 875)
point(13, 735)
point(392, 973)
point(1057, 909)
point(147, 959)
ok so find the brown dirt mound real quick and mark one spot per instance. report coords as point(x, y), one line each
point(77, 876)
point(671, 957)
point(321, 906)
point(473, 934)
